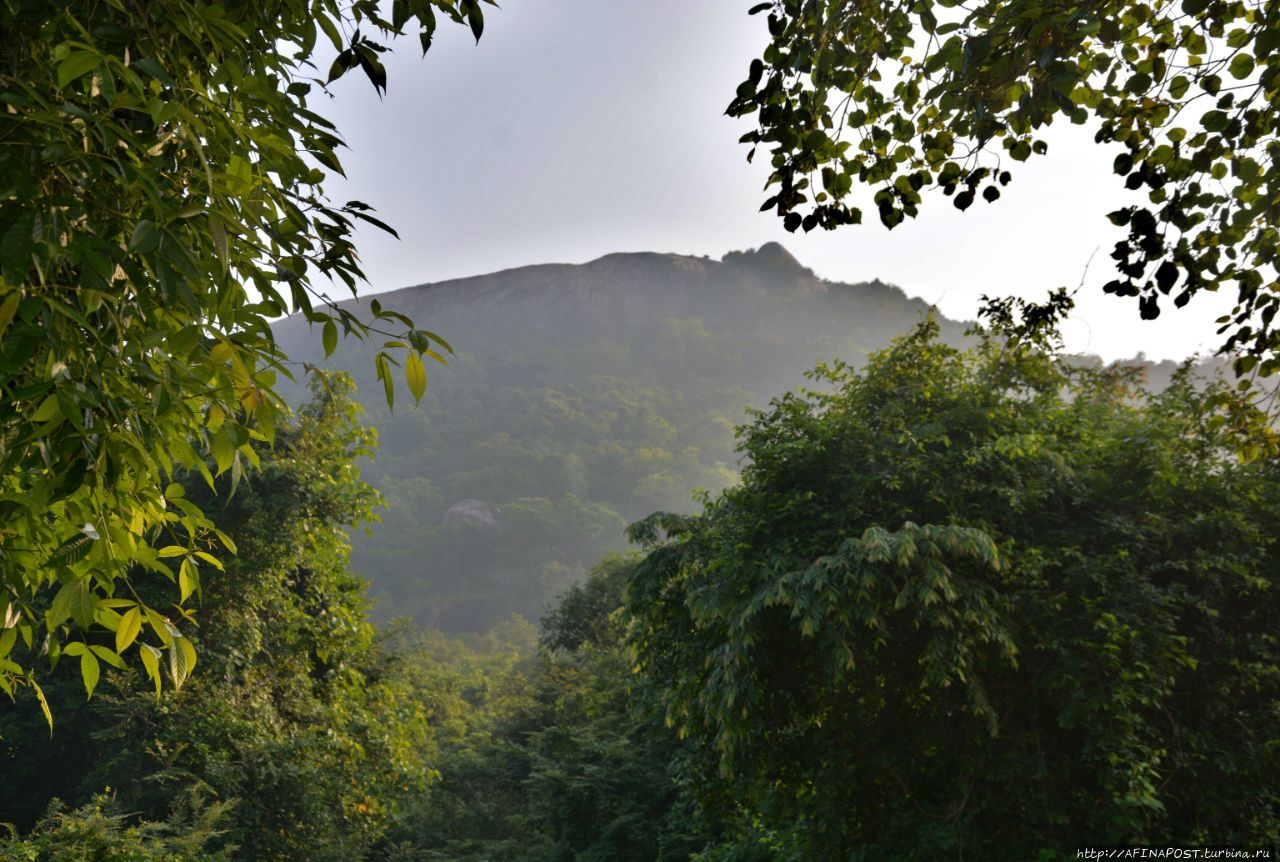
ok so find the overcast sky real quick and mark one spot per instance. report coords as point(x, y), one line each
point(582, 127)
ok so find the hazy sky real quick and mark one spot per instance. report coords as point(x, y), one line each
point(582, 127)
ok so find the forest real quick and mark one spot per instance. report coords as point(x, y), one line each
point(674, 558)
point(1072, 615)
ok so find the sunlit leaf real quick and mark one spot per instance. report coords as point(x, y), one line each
point(416, 376)
point(90, 671)
point(129, 628)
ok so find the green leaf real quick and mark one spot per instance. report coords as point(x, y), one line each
point(84, 605)
point(90, 671)
point(330, 29)
point(1241, 66)
point(1139, 83)
point(471, 9)
point(118, 603)
point(415, 374)
point(151, 662)
point(373, 69)
point(345, 60)
point(218, 233)
point(145, 237)
point(211, 560)
point(928, 20)
point(225, 540)
point(76, 601)
point(438, 340)
point(326, 157)
point(60, 607)
point(182, 660)
point(108, 656)
point(224, 450)
point(130, 626)
point(384, 374)
point(330, 338)
point(188, 578)
point(376, 222)
point(7, 309)
point(77, 65)
point(1214, 121)
point(159, 625)
point(48, 409)
point(44, 702)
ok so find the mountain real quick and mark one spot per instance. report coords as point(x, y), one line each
point(582, 397)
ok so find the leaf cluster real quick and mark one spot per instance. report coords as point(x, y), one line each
point(161, 201)
point(905, 98)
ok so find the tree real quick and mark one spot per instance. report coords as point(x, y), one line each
point(301, 722)
point(909, 97)
point(161, 200)
point(977, 605)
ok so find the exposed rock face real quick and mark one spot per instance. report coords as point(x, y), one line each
point(473, 512)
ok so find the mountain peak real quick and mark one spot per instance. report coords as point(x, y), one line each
point(772, 257)
point(775, 252)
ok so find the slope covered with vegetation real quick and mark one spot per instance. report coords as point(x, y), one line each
point(581, 398)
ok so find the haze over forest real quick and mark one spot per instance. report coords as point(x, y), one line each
point(583, 397)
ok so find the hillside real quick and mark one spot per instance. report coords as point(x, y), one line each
point(582, 397)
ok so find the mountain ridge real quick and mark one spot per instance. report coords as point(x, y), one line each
point(765, 269)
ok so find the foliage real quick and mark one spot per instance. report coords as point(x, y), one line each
point(161, 200)
point(565, 765)
point(977, 604)
point(476, 809)
point(299, 715)
point(938, 94)
point(97, 831)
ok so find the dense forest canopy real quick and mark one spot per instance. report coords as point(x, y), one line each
point(977, 605)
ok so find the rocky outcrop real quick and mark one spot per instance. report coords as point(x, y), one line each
point(473, 512)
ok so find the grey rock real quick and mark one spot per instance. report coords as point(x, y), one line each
point(473, 512)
